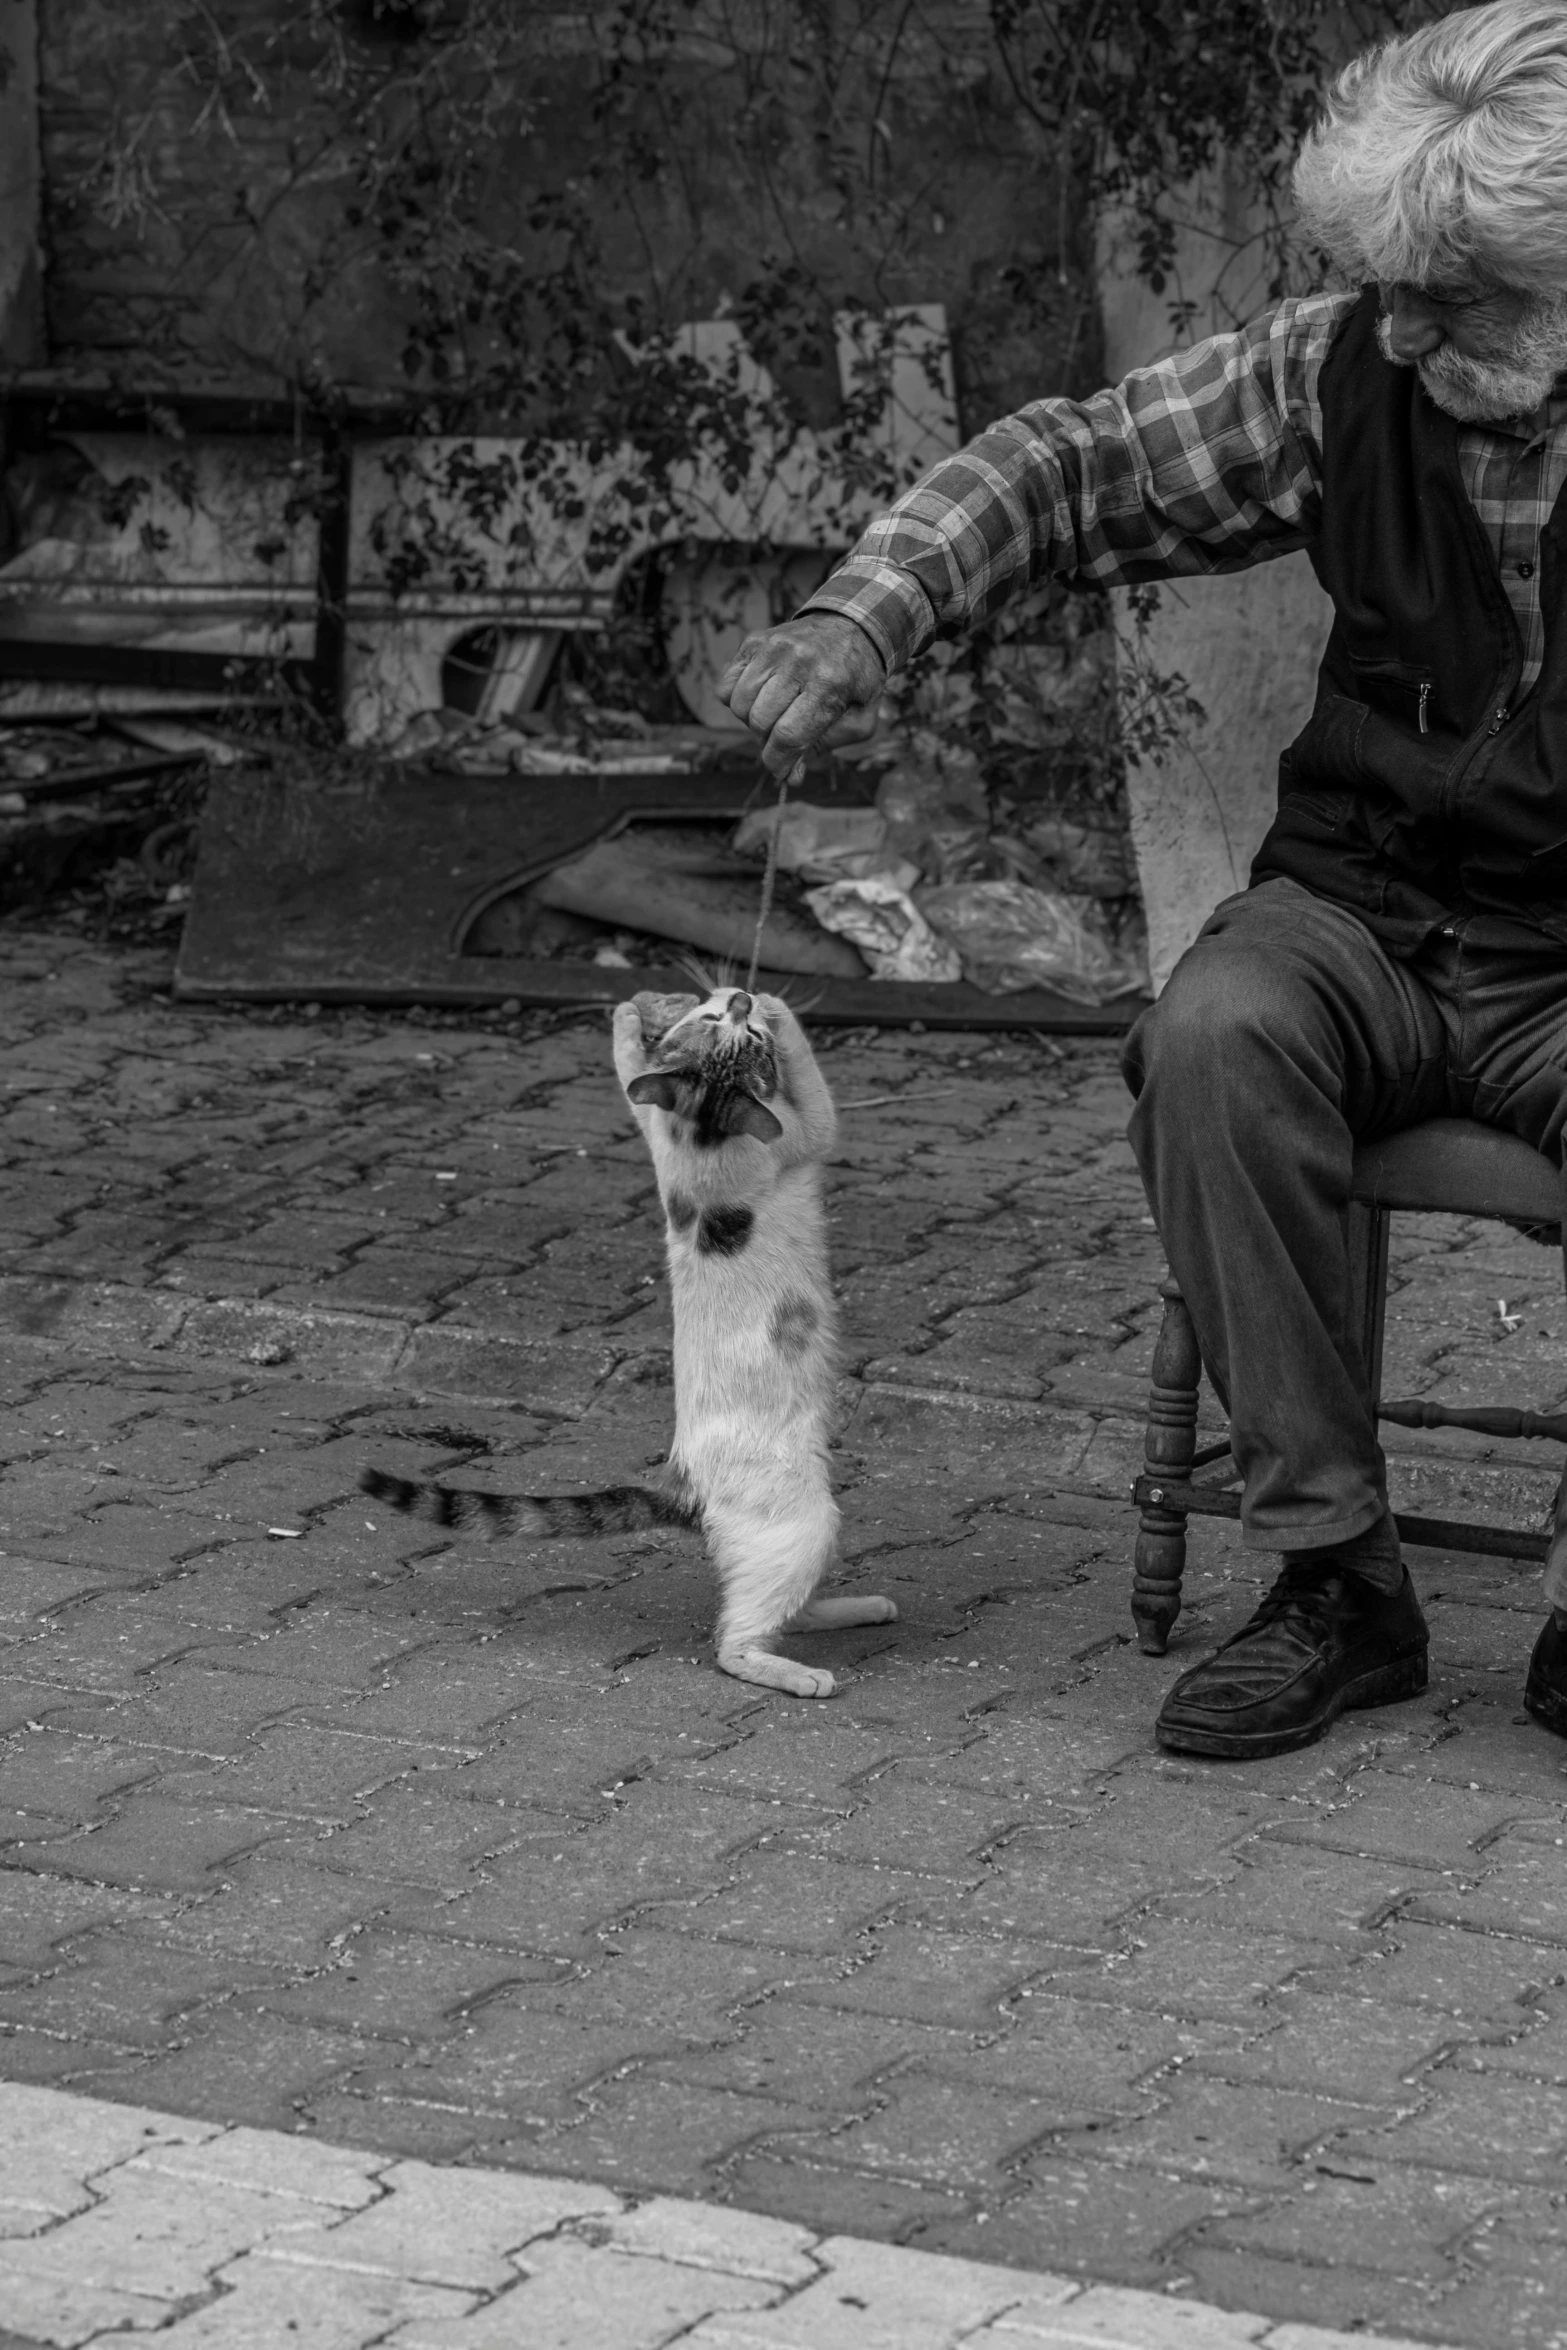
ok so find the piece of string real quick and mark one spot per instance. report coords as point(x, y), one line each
point(792, 775)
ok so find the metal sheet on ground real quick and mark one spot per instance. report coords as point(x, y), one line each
point(361, 888)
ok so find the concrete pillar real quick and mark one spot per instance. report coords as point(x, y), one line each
point(21, 273)
point(1247, 644)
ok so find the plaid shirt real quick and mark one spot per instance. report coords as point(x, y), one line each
point(1210, 461)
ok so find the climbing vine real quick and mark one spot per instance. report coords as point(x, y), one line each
point(1147, 99)
point(513, 210)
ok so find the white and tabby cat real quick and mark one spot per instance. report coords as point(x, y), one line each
point(738, 1119)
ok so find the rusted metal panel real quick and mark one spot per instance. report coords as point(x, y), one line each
point(363, 888)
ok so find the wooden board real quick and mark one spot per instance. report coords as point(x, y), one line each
point(362, 888)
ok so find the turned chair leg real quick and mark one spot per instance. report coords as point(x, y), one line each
point(1168, 1447)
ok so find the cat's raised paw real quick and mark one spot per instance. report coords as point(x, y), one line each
point(832, 1615)
point(767, 1671)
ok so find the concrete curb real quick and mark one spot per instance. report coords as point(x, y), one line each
point(115, 2220)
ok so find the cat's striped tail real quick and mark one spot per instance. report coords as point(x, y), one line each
point(619, 1509)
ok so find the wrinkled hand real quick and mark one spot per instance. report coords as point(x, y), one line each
point(811, 683)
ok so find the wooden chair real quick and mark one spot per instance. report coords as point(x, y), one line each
point(1450, 1164)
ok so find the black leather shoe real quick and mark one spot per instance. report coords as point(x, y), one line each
point(1321, 1641)
point(1545, 1691)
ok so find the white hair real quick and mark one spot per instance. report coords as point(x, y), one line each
point(1441, 157)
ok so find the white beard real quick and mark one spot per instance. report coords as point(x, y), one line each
point(1482, 391)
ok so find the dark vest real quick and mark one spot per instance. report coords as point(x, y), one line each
point(1417, 790)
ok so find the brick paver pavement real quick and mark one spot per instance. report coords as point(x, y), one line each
point(316, 1823)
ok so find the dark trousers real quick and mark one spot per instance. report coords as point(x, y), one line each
point(1286, 1034)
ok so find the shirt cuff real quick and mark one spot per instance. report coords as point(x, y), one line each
point(886, 602)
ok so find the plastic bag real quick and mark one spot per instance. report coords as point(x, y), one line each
point(1089, 860)
point(938, 817)
point(1011, 937)
point(827, 844)
point(887, 927)
point(806, 831)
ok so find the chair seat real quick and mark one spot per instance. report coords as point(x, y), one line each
point(1451, 1164)
point(1462, 1167)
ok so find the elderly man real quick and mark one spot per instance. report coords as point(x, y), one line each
point(1402, 948)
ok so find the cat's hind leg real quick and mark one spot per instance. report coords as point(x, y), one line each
point(833, 1615)
point(769, 1565)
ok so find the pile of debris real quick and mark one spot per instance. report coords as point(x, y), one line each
point(99, 811)
point(934, 880)
point(574, 737)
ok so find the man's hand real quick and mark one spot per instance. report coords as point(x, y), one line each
point(813, 682)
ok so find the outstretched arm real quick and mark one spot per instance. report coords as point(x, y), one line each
point(631, 1058)
point(800, 1082)
point(641, 1026)
point(1207, 462)
point(637, 1030)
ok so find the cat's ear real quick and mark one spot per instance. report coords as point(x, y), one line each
point(744, 1114)
point(656, 1089)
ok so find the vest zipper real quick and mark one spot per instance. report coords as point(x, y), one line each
point(1475, 756)
point(1425, 699)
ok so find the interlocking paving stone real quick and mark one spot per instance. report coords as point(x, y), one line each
point(467, 1853)
point(1482, 1980)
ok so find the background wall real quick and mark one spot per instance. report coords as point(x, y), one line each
point(1247, 644)
point(21, 302)
point(493, 202)
point(230, 187)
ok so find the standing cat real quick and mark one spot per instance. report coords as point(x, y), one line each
point(738, 1119)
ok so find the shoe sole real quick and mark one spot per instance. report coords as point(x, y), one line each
point(1548, 1707)
point(1389, 1684)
